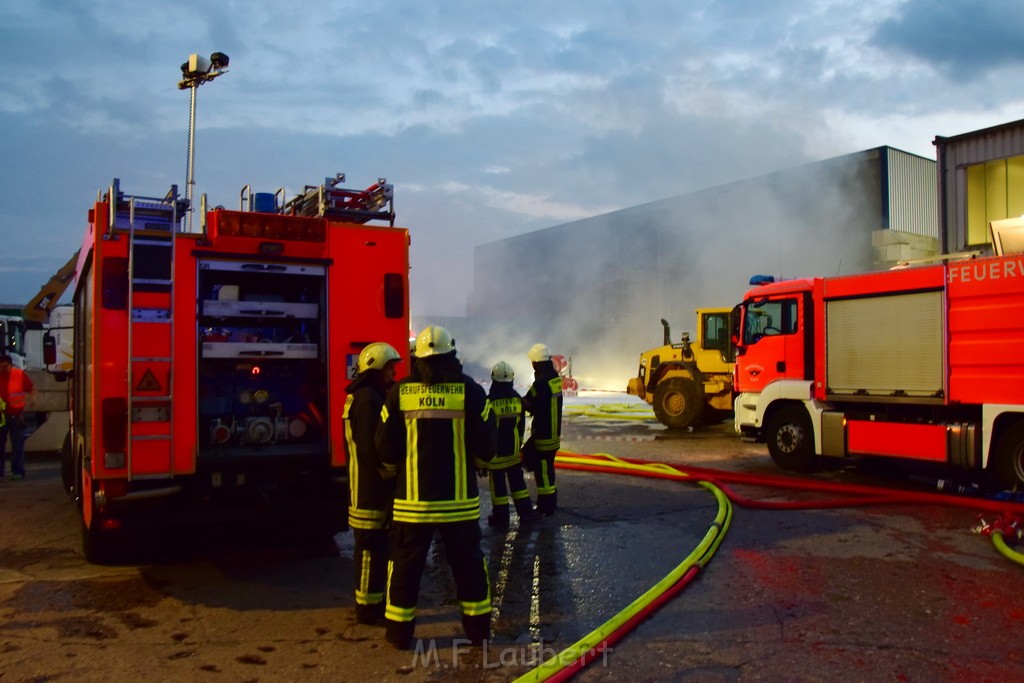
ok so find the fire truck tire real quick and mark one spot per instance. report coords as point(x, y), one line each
point(678, 402)
point(68, 471)
point(97, 546)
point(790, 439)
point(1008, 462)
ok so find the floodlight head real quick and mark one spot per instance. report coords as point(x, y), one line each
point(219, 60)
point(198, 65)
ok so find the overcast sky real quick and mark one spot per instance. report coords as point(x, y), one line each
point(490, 118)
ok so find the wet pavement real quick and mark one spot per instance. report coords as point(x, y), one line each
point(885, 593)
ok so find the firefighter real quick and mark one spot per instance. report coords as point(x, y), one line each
point(435, 432)
point(371, 489)
point(543, 402)
point(15, 385)
point(505, 472)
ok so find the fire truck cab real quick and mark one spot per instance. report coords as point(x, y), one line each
point(210, 368)
point(920, 363)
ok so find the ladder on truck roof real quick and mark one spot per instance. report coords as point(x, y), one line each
point(151, 225)
point(377, 202)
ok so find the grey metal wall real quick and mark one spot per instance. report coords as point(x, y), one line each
point(954, 154)
point(596, 288)
point(912, 193)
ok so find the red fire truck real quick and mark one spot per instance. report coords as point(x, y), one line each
point(922, 363)
point(210, 367)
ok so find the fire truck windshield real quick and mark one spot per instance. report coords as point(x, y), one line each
point(766, 317)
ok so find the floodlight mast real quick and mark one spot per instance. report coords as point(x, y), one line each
point(196, 71)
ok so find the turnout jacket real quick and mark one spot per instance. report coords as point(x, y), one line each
point(507, 406)
point(544, 402)
point(434, 437)
point(369, 493)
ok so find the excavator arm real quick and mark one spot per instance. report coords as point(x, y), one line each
point(38, 309)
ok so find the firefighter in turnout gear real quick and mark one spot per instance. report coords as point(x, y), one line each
point(371, 489)
point(435, 432)
point(505, 472)
point(543, 402)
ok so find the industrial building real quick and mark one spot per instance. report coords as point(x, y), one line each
point(595, 289)
point(981, 179)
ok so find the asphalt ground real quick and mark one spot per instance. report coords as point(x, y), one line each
point(902, 593)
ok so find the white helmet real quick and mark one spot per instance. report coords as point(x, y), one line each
point(434, 341)
point(538, 353)
point(502, 372)
point(376, 355)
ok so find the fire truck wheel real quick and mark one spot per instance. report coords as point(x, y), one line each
point(790, 439)
point(1008, 463)
point(678, 403)
point(97, 546)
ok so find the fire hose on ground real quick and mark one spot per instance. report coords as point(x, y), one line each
point(611, 411)
point(574, 658)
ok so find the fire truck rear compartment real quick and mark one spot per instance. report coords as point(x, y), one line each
point(262, 370)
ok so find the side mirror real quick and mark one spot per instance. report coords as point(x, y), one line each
point(49, 349)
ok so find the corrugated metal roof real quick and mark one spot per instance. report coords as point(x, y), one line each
point(992, 130)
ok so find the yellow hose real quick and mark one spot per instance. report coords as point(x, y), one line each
point(1005, 550)
point(611, 411)
point(699, 557)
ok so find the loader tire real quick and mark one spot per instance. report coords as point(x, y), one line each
point(1007, 468)
point(678, 403)
point(790, 439)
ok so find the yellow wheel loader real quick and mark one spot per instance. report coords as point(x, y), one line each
point(689, 382)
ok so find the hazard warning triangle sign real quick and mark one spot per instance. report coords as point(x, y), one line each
point(148, 382)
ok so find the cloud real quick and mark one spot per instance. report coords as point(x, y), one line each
point(961, 38)
point(491, 119)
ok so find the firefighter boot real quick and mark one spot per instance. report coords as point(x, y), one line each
point(547, 503)
point(370, 614)
point(399, 633)
point(498, 517)
point(478, 627)
point(524, 508)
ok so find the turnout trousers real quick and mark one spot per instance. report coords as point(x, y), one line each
point(410, 543)
point(543, 466)
point(370, 564)
point(504, 482)
point(15, 429)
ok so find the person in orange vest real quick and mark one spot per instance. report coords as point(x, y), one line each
point(15, 385)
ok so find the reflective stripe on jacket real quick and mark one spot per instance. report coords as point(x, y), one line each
point(507, 406)
point(434, 437)
point(369, 494)
point(544, 402)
